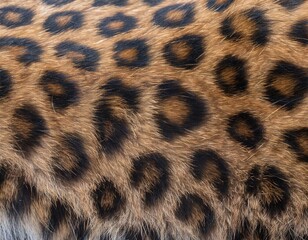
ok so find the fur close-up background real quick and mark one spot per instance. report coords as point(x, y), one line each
point(153, 120)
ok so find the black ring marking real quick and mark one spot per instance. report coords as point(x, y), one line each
point(193, 44)
point(157, 165)
point(259, 36)
point(105, 119)
point(271, 187)
point(52, 25)
point(299, 32)
point(24, 16)
point(32, 53)
point(103, 194)
point(71, 151)
point(128, 23)
point(161, 16)
point(66, 92)
point(295, 91)
point(190, 202)
point(255, 131)
point(293, 138)
point(141, 57)
point(201, 160)
point(88, 62)
point(236, 82)
point(29, 136)
point(197, 110)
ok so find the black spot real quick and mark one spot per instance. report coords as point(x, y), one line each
point(105, 236)
point(25, 195)
point(261, 232)
point(23, 16)
point(196, 114)
point(299, 32)
point(112, 130)
point(246, 129)
point(201, 160)
point(231, 75)
point(150, 173)
point(28, 127)
point(88, 61)
point(291, 234)
point(32, 50)
point(153, 2)
point(184, 52)
point(186, 10)
point(248, 231)
point(131, 53)
point(259, 34)
point(81, 229)
point(61, 91)
point(151, 233)
point(252, 183)
point(5, 83)
point(297, 140)
point(270, 187)
point(58, 214)
point(57, 2)
point(217, 6)
point(191, 204)
point(243, 232)
point(119, 3)
point(132, 234)
point(290, 4)
point(108, 200)
point(53, 24)
point(293, 82)
point(71, 162)
point(127, 24)
point(3, 174)
point(61, 214)
point(135, 234)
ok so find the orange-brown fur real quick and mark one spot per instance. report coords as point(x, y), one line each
point(144, 136)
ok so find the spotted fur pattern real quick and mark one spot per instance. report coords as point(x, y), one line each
point(154, 119)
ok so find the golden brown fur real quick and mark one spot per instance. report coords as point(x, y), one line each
point(34, 173)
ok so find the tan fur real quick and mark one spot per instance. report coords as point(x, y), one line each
point(144, 135)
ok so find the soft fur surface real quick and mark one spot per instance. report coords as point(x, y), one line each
point(154, 119)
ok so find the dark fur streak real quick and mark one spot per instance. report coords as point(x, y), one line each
point(25, 195)
point(5, 83)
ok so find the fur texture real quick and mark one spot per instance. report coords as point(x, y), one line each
point(153, 119)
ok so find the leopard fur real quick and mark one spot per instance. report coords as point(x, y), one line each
point(154, 119)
